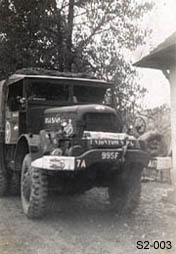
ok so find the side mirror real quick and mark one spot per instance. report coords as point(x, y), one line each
point(21, 100)
point(108, 97)
point(140, 125)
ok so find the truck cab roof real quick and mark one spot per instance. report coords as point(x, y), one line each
point(56, 76)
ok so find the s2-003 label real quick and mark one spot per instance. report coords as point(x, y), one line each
point(146, 245)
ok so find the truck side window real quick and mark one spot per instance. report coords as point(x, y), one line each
point(89, 94)
point(15, 92)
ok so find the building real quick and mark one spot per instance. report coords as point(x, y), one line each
point(164, 58)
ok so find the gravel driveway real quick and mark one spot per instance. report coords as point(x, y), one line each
point(86, 225)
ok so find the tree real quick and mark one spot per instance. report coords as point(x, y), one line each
point(105, 31)
point(75, 35)
point(31, 34)
point(101, 32)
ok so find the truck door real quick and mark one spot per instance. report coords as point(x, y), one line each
point(13, 107)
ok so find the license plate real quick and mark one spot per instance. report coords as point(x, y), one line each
point(109, 155)
point(55, 162)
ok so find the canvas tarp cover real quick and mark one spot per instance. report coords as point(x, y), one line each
point(14, 78)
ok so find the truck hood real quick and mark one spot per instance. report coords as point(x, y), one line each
point(80, 110)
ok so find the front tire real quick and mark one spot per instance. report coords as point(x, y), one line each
point(34, 189)
point(125, 189)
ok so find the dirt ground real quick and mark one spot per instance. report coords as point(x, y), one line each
point(86, 224)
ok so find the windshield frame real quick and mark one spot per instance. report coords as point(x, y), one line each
point(71, 82)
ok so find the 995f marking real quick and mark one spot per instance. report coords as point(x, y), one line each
point(146, 245)
point(109, 155)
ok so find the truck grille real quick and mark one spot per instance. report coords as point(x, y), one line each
point(100, 122)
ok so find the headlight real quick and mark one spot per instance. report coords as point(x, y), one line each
point(48, 141)
point(64, 124)
point(133, 143)
point(45, 142)
point(67, 128)
point(143, 145)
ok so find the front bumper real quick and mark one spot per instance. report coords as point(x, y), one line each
point(70, 163)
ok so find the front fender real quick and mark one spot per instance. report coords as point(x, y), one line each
point(26, 143)
point(32, 141)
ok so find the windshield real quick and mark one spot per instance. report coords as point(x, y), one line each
point(89, 94)
point(47, 91)
point(77, 94)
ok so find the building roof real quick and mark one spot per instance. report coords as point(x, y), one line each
point(162, 57)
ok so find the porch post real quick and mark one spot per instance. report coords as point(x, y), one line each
point(172, 80)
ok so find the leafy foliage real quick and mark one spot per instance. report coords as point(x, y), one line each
point(30, 31)
point(104, 33)
point(159, 117)
point(75, 35)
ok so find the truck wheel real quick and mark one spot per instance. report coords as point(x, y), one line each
point(34, 189)
point(125, 189)
point(3, 183)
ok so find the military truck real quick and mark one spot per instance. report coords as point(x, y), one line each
point(56, 134)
